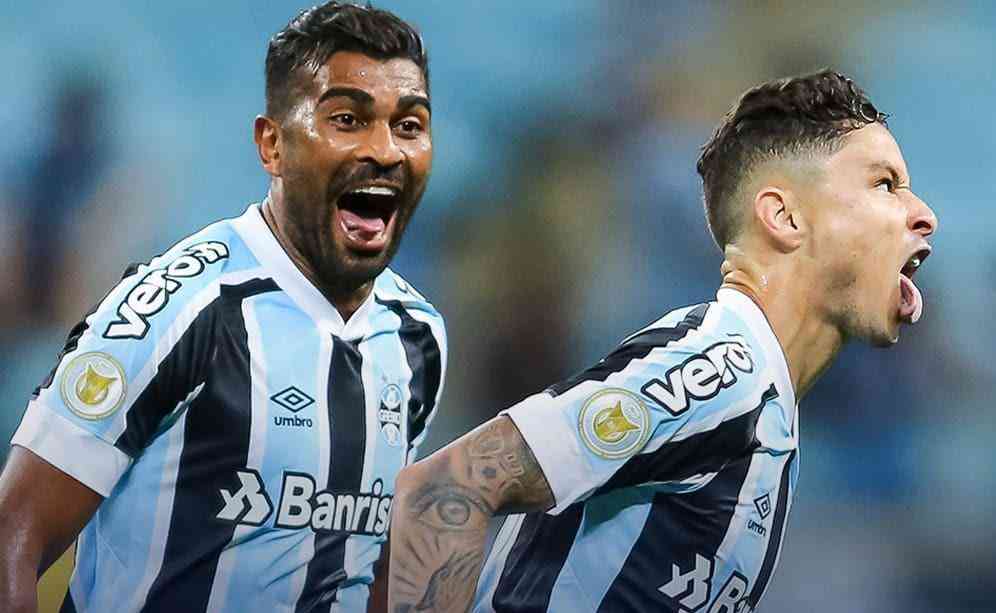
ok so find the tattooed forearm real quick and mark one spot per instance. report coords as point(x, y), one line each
point(441, 512)
point(503, 466)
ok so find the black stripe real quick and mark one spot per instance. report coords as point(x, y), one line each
point(699, 454)
point(634, 348)
point(180, 371)
point(425, 363)
point(535, 561)
point(775, 541)
point(68, 606)
point(677, 528)
point(215, 445)
point(347, 426)
point(72, 341)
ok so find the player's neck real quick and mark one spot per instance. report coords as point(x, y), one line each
point(784, 294)
point(346, 301)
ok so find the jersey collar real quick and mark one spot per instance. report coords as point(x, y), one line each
point(747, 310)
point(264, 245)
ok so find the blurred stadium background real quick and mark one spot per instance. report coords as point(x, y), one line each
point(563, 213)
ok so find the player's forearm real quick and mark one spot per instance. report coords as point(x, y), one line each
point(441, 513)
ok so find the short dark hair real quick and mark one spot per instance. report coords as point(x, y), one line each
point(786, 117)
point(311, 38)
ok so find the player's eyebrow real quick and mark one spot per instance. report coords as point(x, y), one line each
point(407, 102)
point(355, 94)
point(897, 177)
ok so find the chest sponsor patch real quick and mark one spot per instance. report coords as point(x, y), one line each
point(614, 423)
point(93, 385)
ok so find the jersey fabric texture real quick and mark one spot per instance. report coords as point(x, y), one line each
point(673, 463)
point(246, 439)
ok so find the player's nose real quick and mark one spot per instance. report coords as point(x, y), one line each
point(380, 147)
point(922, 219)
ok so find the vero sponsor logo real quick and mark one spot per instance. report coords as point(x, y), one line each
point(701, 376)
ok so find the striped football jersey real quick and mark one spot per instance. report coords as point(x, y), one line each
point(246, 439)
point(672, 462)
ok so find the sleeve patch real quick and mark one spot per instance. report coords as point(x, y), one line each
point(93, 385)
point(614, 423)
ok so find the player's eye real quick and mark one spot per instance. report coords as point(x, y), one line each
point(886, 184)
point(345, 120)
point(409, 127)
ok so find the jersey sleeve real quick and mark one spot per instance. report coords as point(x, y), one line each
point(132, 362)
point(669, 406)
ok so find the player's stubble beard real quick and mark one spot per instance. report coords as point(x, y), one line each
point(844, 291)
point(311, 218)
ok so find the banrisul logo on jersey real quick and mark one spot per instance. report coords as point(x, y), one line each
point(302, 506)
point(701, 376)
point(614, 423)
point(153, 292)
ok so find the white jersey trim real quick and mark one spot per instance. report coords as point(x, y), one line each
point(75, 451)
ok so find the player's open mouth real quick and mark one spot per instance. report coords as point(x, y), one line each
point(910, 298)
point(365, 213)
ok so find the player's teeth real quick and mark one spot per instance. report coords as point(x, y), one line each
point(375, 191)
point(915, 262)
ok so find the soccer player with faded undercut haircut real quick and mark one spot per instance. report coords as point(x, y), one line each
point(661, 478)
point(224, 430)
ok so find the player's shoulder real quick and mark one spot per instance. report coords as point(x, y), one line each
point(185, 275)
point(391, 289)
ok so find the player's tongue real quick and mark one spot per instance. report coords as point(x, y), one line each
point(358, 226)
point(910, 300)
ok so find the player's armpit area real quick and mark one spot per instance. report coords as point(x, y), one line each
point(43, 510)
point(441, 510)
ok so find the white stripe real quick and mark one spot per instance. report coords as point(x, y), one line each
point(171, 336)
point(164, 513)
point(306, 549)
point(259, 397)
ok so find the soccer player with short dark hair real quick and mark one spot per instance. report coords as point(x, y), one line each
point(661, 478)
point(224, 430)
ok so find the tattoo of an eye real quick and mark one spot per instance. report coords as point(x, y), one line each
point(449, 506)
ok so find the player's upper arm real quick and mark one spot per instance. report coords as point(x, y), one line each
point(669, 405)
point(43, 509)
point(137, 358)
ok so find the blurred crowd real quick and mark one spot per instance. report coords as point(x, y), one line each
point(564, 212)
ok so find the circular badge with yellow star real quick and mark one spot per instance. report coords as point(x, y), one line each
point(93, 385)
point(614, 423)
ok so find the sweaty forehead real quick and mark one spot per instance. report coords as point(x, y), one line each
point(871, 146)
point(397, 76)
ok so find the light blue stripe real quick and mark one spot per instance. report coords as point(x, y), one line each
point(265, 561)
point(610, 527)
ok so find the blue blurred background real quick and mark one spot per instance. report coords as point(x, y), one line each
point(563, 213)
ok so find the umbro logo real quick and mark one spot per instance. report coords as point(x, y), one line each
point(294, 400)
point(763, 505)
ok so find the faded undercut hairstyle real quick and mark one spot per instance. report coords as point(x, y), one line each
point(799, 116)
point(310, 39)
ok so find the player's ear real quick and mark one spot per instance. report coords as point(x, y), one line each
point(778, 213)
point(266, 133)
